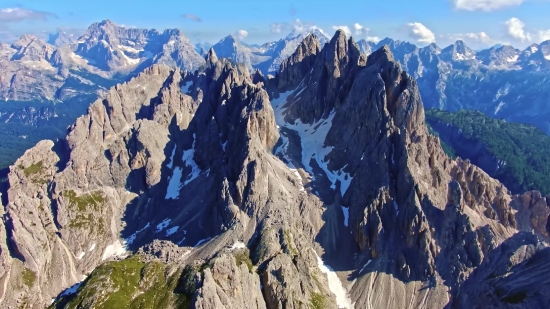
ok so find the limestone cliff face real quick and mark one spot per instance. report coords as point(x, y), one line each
point(61, 214)
point(170, 156)
point(329, 194)
point(414, 213)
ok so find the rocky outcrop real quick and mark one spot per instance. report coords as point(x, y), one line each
point(62, 214)
point(229, 283)
point(512, 276)
point(533, 213)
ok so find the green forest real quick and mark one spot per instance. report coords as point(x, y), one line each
point(524, 148)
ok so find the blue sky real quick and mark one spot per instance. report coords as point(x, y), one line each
point(479, 22)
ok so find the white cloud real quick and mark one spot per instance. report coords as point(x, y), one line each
point(298, 27)
point(476, 40)
point(19, 14)
point(480, 37)
point(484, 5)
point(359, 29)
point(343, 28)
point(242, 34)
point(515, 29)
point(544, 35)
point(420, 33)
point(374, 39)
point(192, 17)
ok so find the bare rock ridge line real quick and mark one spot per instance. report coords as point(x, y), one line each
point(319, 187)
point(37, 71)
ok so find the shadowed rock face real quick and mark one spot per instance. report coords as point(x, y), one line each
point(243, 198)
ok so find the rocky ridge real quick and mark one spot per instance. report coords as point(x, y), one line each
point(245, 189)
point(499, 81)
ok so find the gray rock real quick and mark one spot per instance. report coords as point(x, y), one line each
point(191, 180)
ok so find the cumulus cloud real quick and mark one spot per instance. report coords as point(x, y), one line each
point(515, 29)
point(241, 34)
point(360, 30)
point(420, 33)
point(297, 27)
point(346, 29)
point(544, 35)
point(479, 37)
point(374, 39)
point(20, 14)
point(192, 17)
point(484, 5)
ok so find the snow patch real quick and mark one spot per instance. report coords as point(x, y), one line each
point(71, 290)
point(335, 285)
point(364, 266)
point(237, 245)
point(500, 105)
point(164, 224)
point(312, 138)
point(116, 249)
point(91, 248)
point(172, 230)
point(346, 215)
point(185, 87)
point(513, 58)
point(148, 54)
point(131, 61)
point(202, 241)
point(132, 237)
point(81, 255)
point(174, 186)
point(169, 165)
point(188, 159)
point(129, 49)
point(283, 151)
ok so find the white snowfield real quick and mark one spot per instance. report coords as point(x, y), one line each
point(175, 184)
point(312, 138)
point(335, 285)
point(117, 249)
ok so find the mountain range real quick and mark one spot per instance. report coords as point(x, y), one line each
point(317, 187)
point(46, 86)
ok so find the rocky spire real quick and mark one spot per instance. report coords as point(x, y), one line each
point(330, 77)
point(211, 57)
point(294, 68)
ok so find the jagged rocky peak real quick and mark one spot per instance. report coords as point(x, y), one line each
point(406, 198)
point(211, 57)
point(140, 168)
point(498, 56)
point(458, 51)
point(31, 48)
point(328, 76)
point(293, 69)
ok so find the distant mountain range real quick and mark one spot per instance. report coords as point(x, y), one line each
point(49, 84)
